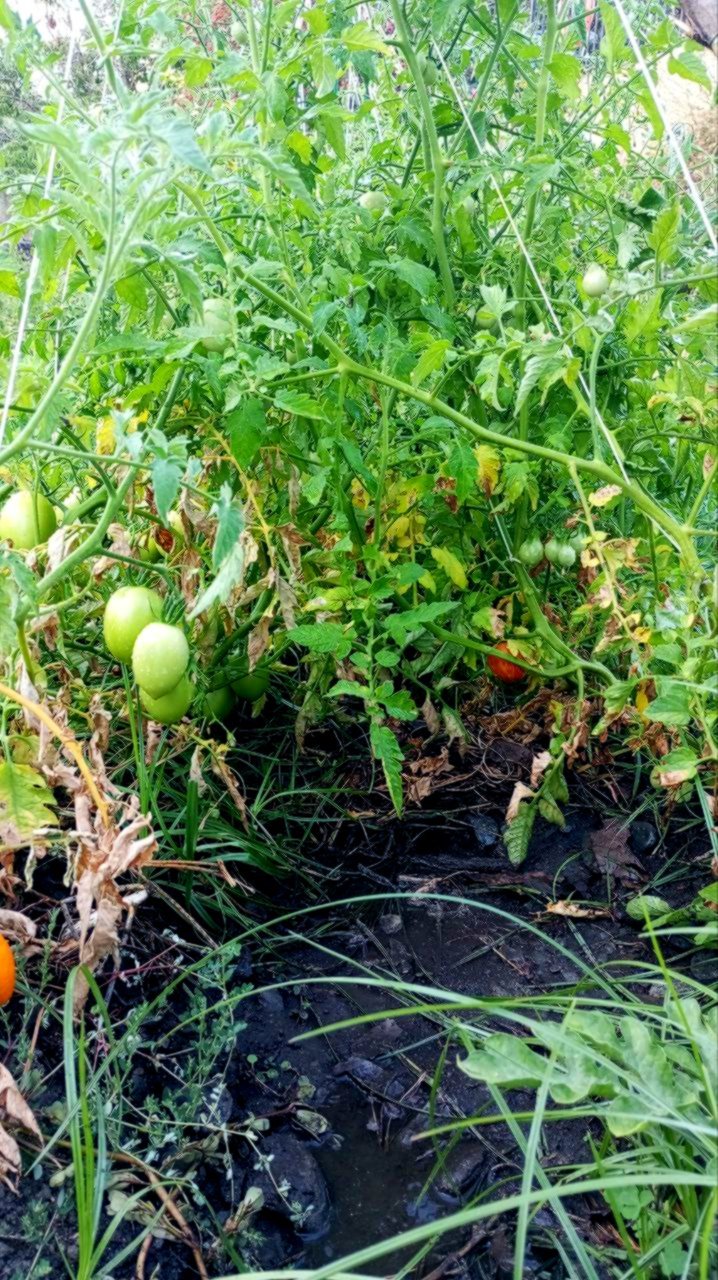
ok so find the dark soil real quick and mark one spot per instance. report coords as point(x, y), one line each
point(326, 1128)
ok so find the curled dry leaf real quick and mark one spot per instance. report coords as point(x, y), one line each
point(104, 854)
point(287, 597)
point(576, 912)
point(17, 927)
point(14, 1113)
point(258, 641)
point(223, 771)
point(119, 546)
point(520, 792)
point(539, 765)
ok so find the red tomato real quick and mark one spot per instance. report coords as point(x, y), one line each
point(504, 670)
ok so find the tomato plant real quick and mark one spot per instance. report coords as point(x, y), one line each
point(357, 381)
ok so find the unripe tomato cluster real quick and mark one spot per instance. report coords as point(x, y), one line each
point(159, 654)
point(561, 554)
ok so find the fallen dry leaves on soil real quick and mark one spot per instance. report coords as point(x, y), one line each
point(14, 1112)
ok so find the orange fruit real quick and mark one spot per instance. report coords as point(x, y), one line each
point(7, 970)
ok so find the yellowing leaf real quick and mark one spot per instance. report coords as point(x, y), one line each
point(105, 436)
point(489, 466)
point(26, 804)
point(642, 701)
point(452, 566)
point(602, 497)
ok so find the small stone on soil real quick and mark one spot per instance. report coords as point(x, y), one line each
point(485, 830)
point(644, 837)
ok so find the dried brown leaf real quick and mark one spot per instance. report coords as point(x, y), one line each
point(576, 912)
point(520, 792)
point(258, 641)
point(15, 1112)
point(17, 927)
point(539, 765)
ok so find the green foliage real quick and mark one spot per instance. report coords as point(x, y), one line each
point(280, 289)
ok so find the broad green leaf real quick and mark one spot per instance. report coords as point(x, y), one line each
point(300, 403)
point(301, 144)
point(333, 125)
point(197, 70)
point(26, 804)
point(671, 706)
point(399, 703)
point(166, 477)
point(230, 523)
point(324, 71)
point(613, 43)
point(517, 834)
point(361, 36)
point(665, 229)
point(431, 359)
point(690, 66)
point(505, 1060)
point(246, 426)
point(322, 637)
point(566, 71)
point(385, 748)
point(399, 625)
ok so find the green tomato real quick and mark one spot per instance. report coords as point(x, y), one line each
point(429, 69)
point(27, 519)
point(578, 542)
point(218, 318)
point(566, 556)
point(485, 318)
point(159, 658)
point(469, 206)
point(373, 201)
point(551, 550)
point(595, 281)
point(127, 612)
point(252, 685)
point(217, 703)
point(172, 706)
point(147, 550)
point(531, 552)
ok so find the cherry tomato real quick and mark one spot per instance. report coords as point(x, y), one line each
point(7, 970)
point(172, 706)
point(127, 612)
point(507, 672)
point(159, 658)
point(27, 519)
point(252, 685)
point(595, 281)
